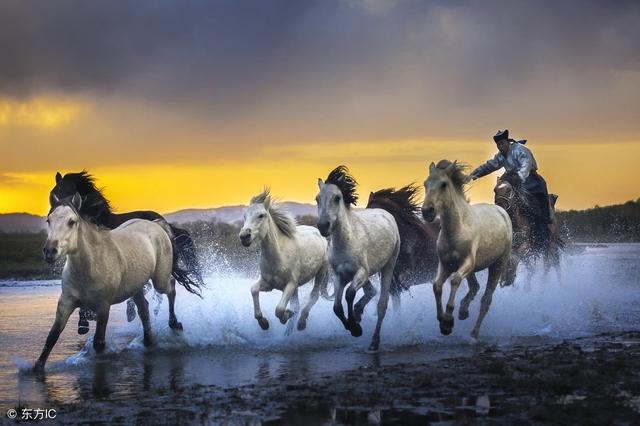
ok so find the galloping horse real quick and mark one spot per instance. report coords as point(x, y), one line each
point(418, 261)
point(290, 256)
point(361, 244)
point(472, 238)
point(530, 239)
point(104, 267)
point(98, 210)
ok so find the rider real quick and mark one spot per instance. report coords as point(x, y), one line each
point(518, 159)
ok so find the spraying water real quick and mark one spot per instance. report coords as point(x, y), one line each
point(222, 343)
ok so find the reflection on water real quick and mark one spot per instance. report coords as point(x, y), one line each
point(223, 346)
point(454, 409)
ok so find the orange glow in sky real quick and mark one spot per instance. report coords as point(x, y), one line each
point(600, 175)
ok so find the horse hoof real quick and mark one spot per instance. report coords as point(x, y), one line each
point(148, 341)
point(463, 315)
point(373, 349)
point(445, 331)
point(264, 323)
point(356, 330)
point(302, 324)
point(38, 368)
point(83, 329)
point(175, 325)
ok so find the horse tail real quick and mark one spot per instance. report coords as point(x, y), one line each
point(396, 284)
point(324, 291)
point(509, 274)
point(187, 251)
point(182, 276)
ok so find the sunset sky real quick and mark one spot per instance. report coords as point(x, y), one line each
point(195, 104)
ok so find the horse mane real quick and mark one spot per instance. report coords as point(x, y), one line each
point(521, 193)
point(283, 220)
point(94, 204)
point(456, 172)
point(67, 202)
point(341, 177)
point(402, 202)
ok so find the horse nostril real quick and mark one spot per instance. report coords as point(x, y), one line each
point(323, 227)
point(428, 213)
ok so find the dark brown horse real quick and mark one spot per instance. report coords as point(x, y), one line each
point(418, 261)
point(531, 238)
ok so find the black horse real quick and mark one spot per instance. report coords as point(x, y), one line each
point(98, 209)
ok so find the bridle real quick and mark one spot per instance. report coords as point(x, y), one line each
point(508, 199)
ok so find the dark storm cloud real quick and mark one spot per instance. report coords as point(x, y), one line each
point(339, 69)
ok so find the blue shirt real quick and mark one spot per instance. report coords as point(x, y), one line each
point(519, 159)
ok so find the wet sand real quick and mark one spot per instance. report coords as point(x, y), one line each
point(592, 380)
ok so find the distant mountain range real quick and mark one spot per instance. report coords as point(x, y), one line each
point(24, 222)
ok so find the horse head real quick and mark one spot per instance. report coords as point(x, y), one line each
point(504, 194)
point(62, 229)
point(337, 193)
point(256, 221)
point(444, 181)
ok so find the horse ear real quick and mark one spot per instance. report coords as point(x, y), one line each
point(58, 177)
point(320, 183)
point(432, 166)
point(450, 169)
point(76, 201)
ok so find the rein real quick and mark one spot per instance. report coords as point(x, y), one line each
point(508, 199)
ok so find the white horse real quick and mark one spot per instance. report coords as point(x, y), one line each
point(290, 256)
point(104, 267)
point(362, 243)
point(472, 238)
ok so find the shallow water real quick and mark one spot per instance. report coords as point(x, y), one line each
point(223, 345)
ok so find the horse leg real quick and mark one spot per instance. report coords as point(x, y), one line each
point(337, 302)
point(295, 305)
point(369, 293)
point(282, 313)
point(101, 328)
point(557, 267)
point(385, 284)
point(64, 310)
point(319, 281)
point(358, 281)
point(261, 285)
point(495, 271)
point(174, 324)
point(83, 321)
point(441, 277)
point(446, 325)
point(474, 286)
point(143, 313)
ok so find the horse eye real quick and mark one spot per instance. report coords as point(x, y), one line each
point(443, 185)
point(336, 199)
point(261, 216)
point(71, 223)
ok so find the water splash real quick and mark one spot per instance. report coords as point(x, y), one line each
point(597, 294)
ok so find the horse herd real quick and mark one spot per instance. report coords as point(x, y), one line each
point(110, 257)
